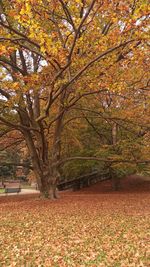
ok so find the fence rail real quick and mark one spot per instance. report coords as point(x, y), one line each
point(84, 181)
point(75, 184)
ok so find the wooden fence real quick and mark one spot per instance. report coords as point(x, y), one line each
point(84, 181)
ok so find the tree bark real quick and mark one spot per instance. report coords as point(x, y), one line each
point(115, 183)
point(114, 134)
point(45, 171)
point(47, 183)
point(45, 164)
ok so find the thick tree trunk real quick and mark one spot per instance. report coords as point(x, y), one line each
point(54, 175)
point(45, 169)
point(47, 182)
point(46, 172)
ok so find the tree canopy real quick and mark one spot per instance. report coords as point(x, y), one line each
point(73, 71)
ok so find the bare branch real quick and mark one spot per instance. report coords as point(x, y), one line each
point(77, 76)
point(97, 59)
point(4, 93)
point(10, 63)
point(67, 12)
point(77, 32)
point(63, 161)
point(19, 127)
point(16, 164)
point(14, 143)
point(19, 33)
point(23, 62)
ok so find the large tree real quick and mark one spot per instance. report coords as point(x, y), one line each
point(54, 53)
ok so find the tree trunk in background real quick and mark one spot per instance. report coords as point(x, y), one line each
point(115, 179)
point(114, 133)
point(115, 183)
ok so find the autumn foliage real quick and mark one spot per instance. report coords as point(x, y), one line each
point(73, 65)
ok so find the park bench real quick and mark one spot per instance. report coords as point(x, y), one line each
point(1, 185)
point(12, 187)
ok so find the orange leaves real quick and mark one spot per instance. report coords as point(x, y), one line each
point(32, 80)
point(10, 140)
point(82, 229)
point(6, 49)
point(81, 58)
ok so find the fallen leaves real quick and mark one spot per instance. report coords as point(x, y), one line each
point(78, 230)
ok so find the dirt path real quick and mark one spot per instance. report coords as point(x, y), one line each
point(23, 192)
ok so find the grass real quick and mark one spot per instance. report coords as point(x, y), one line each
point(2, 190)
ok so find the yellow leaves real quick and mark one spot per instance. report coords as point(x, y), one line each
point(3, 50)
point(26, 9)
point(16, 86)
point(24, 14)
point(141, 9)
point(31, 83)
point(114, 19)
point(36, 2)
point(6, 47)
point(43, 49)
point(79, 2)
point(11, 86)
point(117, 86)
point(77, 21)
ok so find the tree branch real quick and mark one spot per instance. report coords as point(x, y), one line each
point(17, 126)
point(97, 59)
point(4, 93)
point(77, 76)
point(16, 164)
point(11, 64)
point(67, 12)
point(77, 32)
point(19, 33)
point(63, 161)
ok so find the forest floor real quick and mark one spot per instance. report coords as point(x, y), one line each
point(92, 227)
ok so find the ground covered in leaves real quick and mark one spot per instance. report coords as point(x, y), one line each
point(91, 227)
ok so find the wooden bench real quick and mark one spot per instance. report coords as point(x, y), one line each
point(12, 188)
point(1, 185)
